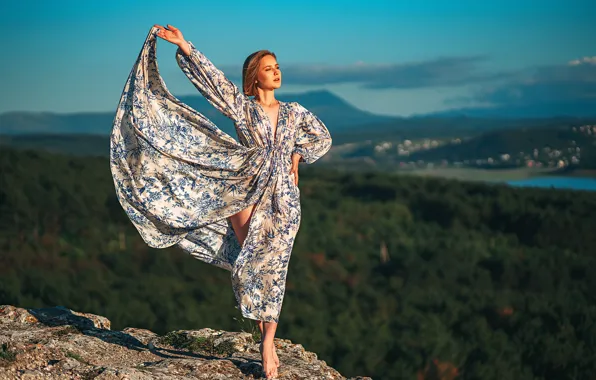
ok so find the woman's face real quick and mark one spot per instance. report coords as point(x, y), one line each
point(269, 75)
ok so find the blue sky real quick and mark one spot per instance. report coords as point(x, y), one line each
point(388, 57)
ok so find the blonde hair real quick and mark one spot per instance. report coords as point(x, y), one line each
point(250, 70)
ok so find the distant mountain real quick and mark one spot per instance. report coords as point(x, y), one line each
point(336, 113)
point(87, 133)
point(497, 133)
point(533, 146)
point(535, 143)
point(544, 110)
point(448, 127)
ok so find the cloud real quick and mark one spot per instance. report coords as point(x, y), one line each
point(440, 72)
point(568, 82)
point(574, 81)
point(585, 60)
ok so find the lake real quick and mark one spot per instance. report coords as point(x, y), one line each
point(575, 183)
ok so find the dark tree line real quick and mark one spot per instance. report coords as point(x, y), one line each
point(389, 274)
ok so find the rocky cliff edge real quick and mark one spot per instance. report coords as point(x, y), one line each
point(58, 343)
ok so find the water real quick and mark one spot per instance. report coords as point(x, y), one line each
point(575, 183)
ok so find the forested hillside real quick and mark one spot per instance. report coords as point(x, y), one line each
point(389, 272)
point(575, 145)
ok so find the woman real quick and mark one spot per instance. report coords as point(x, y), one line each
point(182, 181)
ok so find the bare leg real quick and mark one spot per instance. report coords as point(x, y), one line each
point(267, 350)
point(240, 224)
point(261, 325)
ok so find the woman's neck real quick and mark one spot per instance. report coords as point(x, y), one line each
point(266, 98)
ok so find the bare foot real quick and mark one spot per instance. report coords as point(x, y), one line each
point(269, 366)
point(275, 358)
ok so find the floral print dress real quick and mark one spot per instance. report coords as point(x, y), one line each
point(179, 177)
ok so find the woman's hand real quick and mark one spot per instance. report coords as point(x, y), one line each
point(294, 169)
point(170, 34)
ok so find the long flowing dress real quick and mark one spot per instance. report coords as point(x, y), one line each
point(179, 177)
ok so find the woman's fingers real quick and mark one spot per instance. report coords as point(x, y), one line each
point(294, 171)
point(170, 34)
point(167, 35)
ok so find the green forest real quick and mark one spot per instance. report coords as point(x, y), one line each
point(389, 272)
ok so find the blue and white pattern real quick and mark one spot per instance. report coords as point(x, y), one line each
point(179, 177)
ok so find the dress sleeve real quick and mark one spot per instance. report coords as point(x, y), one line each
point(212, 83)
point(313, 139)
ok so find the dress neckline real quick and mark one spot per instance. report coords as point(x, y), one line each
point(273, 132)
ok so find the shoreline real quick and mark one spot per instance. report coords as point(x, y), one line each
point(481, 175)
point(519, 177)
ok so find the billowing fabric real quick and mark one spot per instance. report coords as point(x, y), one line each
point(179, 177)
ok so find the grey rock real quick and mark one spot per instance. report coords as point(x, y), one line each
point(58, 343)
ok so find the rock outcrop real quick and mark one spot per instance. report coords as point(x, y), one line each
point(58, 343)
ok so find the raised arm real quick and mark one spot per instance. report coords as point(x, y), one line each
point(313, 139)
point(211, 82)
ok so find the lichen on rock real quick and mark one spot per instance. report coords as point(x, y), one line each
point(58, 343)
